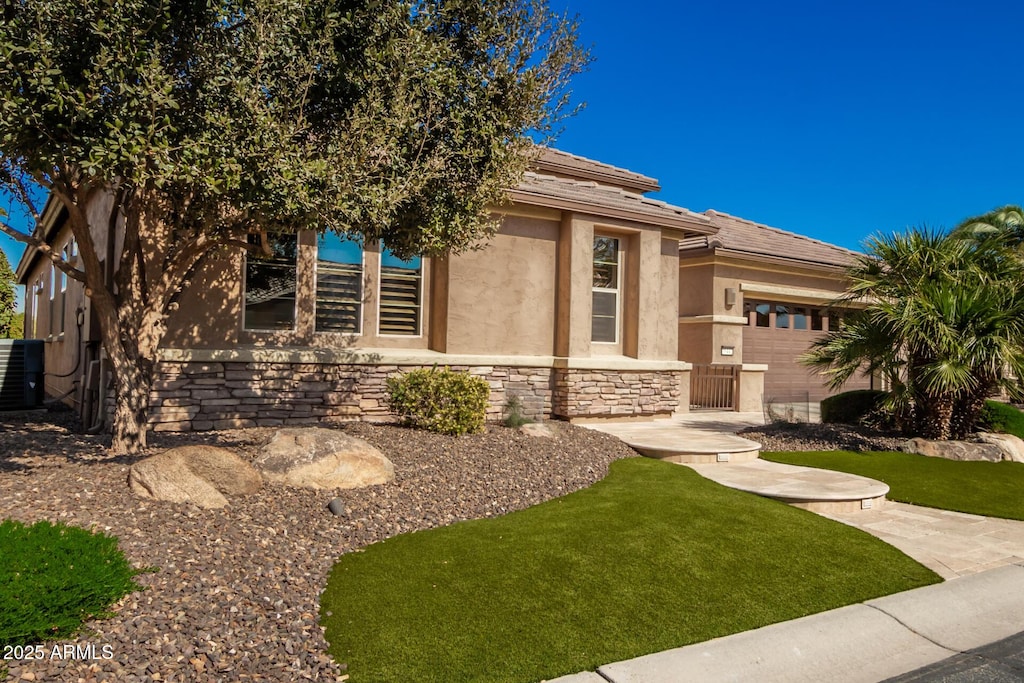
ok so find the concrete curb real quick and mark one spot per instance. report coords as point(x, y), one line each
point(868, 642)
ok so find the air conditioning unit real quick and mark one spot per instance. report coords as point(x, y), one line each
point(21, 374)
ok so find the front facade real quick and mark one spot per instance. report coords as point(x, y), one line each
point(755, 298)
point(572, 306)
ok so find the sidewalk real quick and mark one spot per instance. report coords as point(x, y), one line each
point(867, 642)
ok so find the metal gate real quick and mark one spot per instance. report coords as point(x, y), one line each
point(21, 373)
point(713, 387)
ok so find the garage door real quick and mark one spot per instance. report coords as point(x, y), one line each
point(776, 335)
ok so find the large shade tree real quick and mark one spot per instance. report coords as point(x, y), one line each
point(193, 123)
point(943, 323)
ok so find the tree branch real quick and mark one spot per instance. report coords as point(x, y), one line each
point(46, 250)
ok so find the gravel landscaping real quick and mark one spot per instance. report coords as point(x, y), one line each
point(806, 436)
point(234, 594)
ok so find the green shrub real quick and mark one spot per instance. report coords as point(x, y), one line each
point(514, 416)
point(1000, 417)
point(53, 577)
point(440, 401)
point(851, 407)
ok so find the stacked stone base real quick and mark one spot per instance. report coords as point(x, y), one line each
point(200, 396)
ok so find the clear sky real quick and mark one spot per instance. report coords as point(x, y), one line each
point(834, 119)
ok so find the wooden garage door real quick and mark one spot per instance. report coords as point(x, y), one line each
point(776, 335)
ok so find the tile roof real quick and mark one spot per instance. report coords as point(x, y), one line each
point(741, 235)
point(559, 163)
point(592, 197)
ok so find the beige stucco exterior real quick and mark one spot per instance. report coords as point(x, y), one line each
point(519, 306)
point(708, 322)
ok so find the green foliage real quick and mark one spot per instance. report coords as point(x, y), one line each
point(17, 329)
point(943, 323)
point(979, 488)
point(442, 401)
point(8, 318)
point(851, 407)
point(209, 120)
point(53, 577)
point(1000, 417)
point(400, 120)
point(650, 558)
point(514, 416)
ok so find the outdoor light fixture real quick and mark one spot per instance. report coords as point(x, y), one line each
point(730, 296)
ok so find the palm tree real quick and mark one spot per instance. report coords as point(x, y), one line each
point(944, 321)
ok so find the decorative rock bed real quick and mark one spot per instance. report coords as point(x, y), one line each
point(235, 596)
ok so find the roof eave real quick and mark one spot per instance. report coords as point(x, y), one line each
point(690, 224)
point(831, 268)
point(47, 220)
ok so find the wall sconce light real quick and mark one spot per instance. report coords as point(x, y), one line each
point(730, 296)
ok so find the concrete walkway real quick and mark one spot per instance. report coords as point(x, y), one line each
point(872, 641)
point(867, 642)
point(708, 443)
point(812, 489)
point(688, 437)
point(951, 544)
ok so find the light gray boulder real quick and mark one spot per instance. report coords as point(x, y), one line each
point(1011, 446)
point(955, 450)
point(203, 475)
point(317, 458)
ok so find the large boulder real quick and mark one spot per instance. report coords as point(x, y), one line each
point(317, 458)
point(955, 450)
point(1011, 446)
point(202, 475)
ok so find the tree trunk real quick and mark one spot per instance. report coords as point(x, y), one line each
point(968, 413)
point(131, 411)
point(935, 415)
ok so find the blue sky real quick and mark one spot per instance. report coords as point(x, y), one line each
point(831, 119)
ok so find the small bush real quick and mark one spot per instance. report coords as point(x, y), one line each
point(54, 577)
point(514, 416)
point(1000, 417)
point(440, 401)
point(851, 407)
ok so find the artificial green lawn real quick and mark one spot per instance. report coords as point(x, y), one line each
point(652, 557)
point(993, 489)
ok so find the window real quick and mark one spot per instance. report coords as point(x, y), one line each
point(781, 317)
point(604, 321)
point(400, 295)
point(270, 284)
point(63, 294)
point(37, 307)
point(800, 318)
point(816, 319)
point(756, 313)
point(339, 284)
point(835, 320)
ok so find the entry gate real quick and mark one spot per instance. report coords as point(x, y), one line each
point(713, 387)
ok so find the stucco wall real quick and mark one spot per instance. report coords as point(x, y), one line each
point(501, 299)
point(210, 313)
point(67, 350)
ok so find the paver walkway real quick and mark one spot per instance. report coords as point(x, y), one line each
point(951, 544)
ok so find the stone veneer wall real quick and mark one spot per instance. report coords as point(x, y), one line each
point(225, 395)
point(610, 393)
